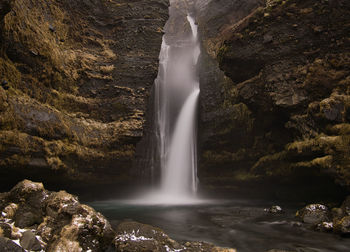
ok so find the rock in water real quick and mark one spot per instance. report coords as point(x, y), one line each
point(274, 210)
point(325, 226)
point(6, 245)
point(134, 236)
point(313, 214)
point(29, 241)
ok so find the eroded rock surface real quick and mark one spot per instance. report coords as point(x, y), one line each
point(75, 80)
point(283, 118)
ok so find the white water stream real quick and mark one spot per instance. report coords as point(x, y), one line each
point(176, 98)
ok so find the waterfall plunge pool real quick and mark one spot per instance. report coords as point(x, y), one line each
point(243, 225)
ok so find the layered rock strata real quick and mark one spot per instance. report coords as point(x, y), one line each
point(75, 80)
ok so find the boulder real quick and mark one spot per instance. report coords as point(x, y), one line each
point(30, 242)
point(87, 230)
point(313, 214)
point(7, 245)
point(274, 210)
point(134, 236)
point(26, 188)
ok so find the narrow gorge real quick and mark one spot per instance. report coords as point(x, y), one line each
point(225, 123)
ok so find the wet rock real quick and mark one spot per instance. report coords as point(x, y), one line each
point(29, 241)
point(313, 214)
point(10, 211)
point(25, 218)
point(29, 191)
point(134, 236)
point(87, 230)
point(274, 210)
point(67, 225)
point(5, 230)
point(58, 218)
point(6, 245)
point(325, 226)
point(296, 224)
point(61, 203)
point(343, 226)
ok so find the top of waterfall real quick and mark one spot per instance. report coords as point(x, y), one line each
point(193, 25)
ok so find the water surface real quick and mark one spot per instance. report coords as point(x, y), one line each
point(238, 224)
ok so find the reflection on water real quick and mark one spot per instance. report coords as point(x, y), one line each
point(241, 225)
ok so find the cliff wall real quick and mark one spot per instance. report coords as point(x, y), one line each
point(75, 81)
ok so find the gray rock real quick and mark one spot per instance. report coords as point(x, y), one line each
point(30, 242)
point(313, 214)
point(6, 245)
point(27, 219)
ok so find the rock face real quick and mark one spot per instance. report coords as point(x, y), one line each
point(285, 113)
point(67, 225)
point(75, 79)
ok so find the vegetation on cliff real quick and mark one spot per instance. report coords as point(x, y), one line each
point(289, 66)
point(75, 80)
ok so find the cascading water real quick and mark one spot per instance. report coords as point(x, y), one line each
point(176, 98)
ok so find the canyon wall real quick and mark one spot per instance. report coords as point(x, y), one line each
point(75, 82)
point(282, 117)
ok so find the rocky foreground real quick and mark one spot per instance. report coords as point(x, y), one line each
point(35, 219)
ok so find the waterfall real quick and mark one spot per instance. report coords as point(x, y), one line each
point(176, 98)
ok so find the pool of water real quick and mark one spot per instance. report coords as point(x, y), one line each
point(243, 225)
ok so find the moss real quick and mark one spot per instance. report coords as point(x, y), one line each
point(321, 162)
point(221, 52)
point(340, 129)
point(9, 72)
point(266, 161)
